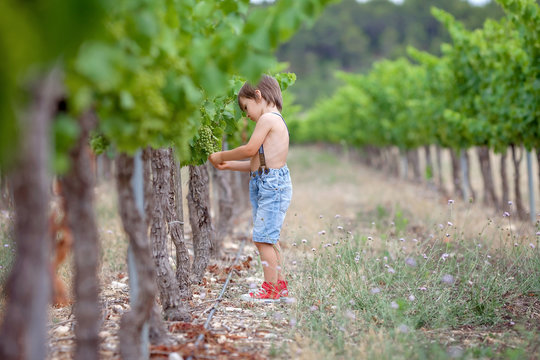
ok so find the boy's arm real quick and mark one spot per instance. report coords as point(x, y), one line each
point(235, 165)
point(264, 124)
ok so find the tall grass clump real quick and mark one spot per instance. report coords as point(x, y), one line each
point(375, 294)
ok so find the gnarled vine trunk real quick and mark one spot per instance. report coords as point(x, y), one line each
point(157, 332)
point(175, 219)
point(490, 198)
point(78, 190)
point(504, 181)
point(224, 213)
point(199, 218)
point(132, 322)
point(28, 288)
point(518, 201)
point(171, 302)
point(456, 174)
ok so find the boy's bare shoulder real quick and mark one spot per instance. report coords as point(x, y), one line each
point(270, 118)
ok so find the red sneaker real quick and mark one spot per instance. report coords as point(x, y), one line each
point(282, 288)
point(268, 293)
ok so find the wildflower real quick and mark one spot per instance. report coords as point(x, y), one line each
point(350, 314)
point(512, 323)
point(506, 214)
point(448, 279)
point(441, 226)
point(322, 232)
point(450, 224)
point(6, 245)
point(294, 262)
point(304, 241)
point(336, 242)
point(450, 202)
point(370, 238)
point(264, 263)
point(403, 248)
point(356, 259)
point(403, 328)
point(516, 244)
point(338, 256)
point(401, 239)
point(444, 256)
point(351, 302)
point(313, 308)
point(109, 231)
point(411, 297)
point(252, 285)
point(538, 233)
point(488, 256)
point(424, 256)
point(337, 216)
point(391, 270)
point(386, 265)
point(531, 245)
point(415, 240)
point(327, 245)
point(392, 223)
point(422, 288)
point(320, 216)
point(313, 249)
point(510, 203)
point(292, 321)
point(363, 277)
point(340, 227)
point(385, 259)
point(447, 235)
point(294, 244)
point(470, 282)
point(410, 261)
point(375, 290)
point(373, 223)
point(394, 305)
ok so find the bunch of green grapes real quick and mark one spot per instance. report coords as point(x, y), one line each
point(99, 143)
point(207, 143)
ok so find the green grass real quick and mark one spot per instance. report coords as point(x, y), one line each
point(391, 295)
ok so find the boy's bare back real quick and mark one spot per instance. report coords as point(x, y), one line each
point(275, 144)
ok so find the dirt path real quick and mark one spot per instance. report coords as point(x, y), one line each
point(328, 189)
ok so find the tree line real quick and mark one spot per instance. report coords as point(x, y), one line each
point(352, 35)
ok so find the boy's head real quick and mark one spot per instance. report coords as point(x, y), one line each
point(269, 90)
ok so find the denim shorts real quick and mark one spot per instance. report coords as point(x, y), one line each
point(270, 196)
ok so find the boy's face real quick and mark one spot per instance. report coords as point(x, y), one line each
point(253, 108)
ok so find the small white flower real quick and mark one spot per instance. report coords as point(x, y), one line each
point(369, 238)
point(385, 259)
point(350, 314)
point(394, 305)
point(313, 249)
point(401, 239)
point(448, 279)
point(506, 214)
point(444, 256)
point(391, 270)
point(294, 244)
point(322, 232)
point(510, 203)
point(422, 288)
point(375, 290)
point(340, 227)
point(450, 224)
point(411, 297)
point(403, 328)
point(313, 308)
point(294, 262)
point(415, 240)
point(450, 202)
point(532, 245)
point(304, 241)
point(410, 261)
point(337, 216)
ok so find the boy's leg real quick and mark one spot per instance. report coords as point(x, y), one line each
point(277, 249)
point(269, 258)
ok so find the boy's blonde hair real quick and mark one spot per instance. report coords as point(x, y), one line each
point(269, 88)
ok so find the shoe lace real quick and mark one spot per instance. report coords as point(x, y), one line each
point(259, 291)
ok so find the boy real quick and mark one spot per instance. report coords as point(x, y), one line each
point(270, 187)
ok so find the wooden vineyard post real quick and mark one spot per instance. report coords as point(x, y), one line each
point(531, 186)
point(137, 183)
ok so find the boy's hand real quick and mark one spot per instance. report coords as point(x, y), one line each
point(215, 159)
